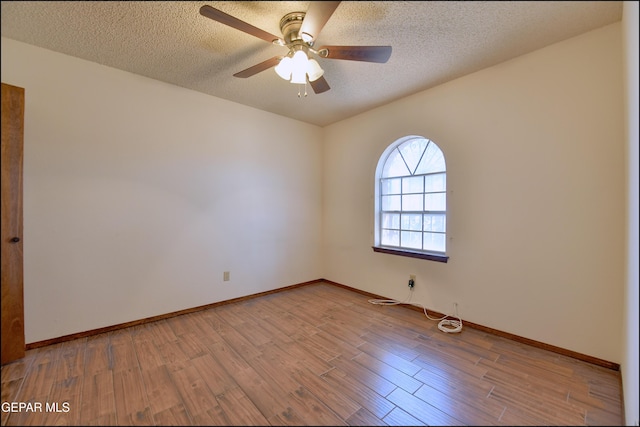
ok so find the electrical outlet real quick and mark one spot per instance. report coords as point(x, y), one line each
point(225, 276)
point(412, 281)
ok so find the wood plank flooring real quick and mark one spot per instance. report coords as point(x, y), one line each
point(313, 355)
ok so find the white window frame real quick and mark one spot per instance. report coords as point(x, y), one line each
point(430, 254)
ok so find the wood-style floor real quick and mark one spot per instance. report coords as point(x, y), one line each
point(313, 355)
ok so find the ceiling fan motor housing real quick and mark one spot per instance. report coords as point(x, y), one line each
point(290, 26)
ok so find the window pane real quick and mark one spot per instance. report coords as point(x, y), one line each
point(390, 203)
point(437, 182)
point(412, 202)
point(432, 161)
point(435, 202)
point(413, 185)
point(411, 239)
point(390, 237)
point(412, 152)
point(412, 222)
point(391, 186)
point(434, 242)
point(395, 166)
point(435, 222)
point(391, 221)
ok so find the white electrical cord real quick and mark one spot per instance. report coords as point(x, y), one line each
point(447, 323)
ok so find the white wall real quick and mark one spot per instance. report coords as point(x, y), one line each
point(138, 195)
point(629, 366)
point(536, 196)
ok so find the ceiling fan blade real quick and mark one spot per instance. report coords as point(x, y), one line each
point(220, 16)
point(320, 85)
point(264, 65)
point(316, 16)
point(379, 54)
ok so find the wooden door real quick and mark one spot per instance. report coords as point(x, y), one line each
point(13, 341)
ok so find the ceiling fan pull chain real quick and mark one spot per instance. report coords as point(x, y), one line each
point(300, 90)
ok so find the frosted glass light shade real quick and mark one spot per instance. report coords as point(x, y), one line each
point(299, 77)
point(299, 68)
point(313, 70)
point(284, 68)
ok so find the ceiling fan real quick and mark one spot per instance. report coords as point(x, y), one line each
point(299, 33)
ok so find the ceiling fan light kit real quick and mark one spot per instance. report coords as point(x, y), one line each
point(298, 68)
point(300, 31)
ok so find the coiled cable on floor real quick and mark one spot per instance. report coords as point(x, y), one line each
point(447, 323)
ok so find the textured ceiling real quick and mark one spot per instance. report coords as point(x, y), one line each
point(433, 42)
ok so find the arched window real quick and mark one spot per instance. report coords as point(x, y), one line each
point(411, 200)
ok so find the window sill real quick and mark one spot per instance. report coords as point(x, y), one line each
point(430, 257)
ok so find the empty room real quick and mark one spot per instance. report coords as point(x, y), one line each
point(320, 213)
